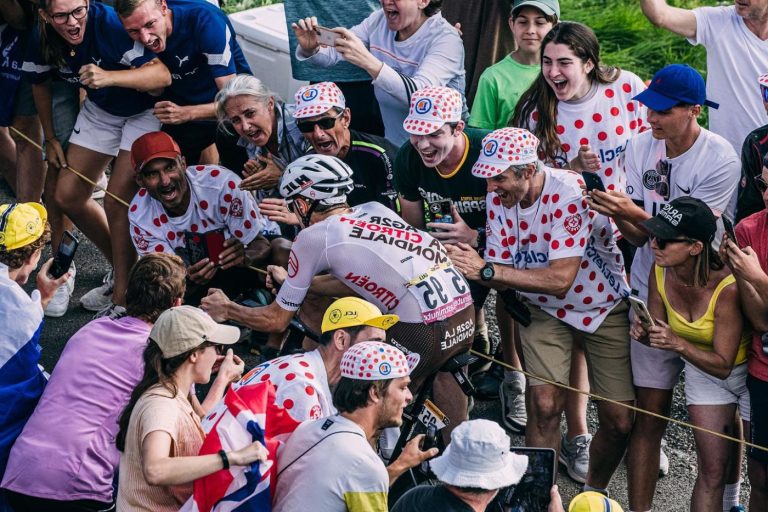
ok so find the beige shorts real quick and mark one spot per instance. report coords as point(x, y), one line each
point(548, 343)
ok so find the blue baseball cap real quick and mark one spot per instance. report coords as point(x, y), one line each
point(673, 84)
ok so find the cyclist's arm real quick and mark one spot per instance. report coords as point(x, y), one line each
point(680, 21)
point(270, 318)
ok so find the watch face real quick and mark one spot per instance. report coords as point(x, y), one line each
point(487, 273)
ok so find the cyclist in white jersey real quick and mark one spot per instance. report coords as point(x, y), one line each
point(371, 252)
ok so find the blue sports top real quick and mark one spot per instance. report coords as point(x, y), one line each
point(105, 44)
point(201, 47)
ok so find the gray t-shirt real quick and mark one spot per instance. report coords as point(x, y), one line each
point(330, 14)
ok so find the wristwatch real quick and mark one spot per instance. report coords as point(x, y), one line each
point(487, 272)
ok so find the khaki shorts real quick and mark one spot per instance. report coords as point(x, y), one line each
point(548, 343)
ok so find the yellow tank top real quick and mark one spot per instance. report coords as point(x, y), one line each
point(701, 331)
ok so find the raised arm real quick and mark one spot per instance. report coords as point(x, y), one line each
point(680, 21)
point(151, 76)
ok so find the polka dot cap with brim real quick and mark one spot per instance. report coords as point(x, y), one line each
point(763, 80)
point(505, 147)
point(373, 360)
point(431, 108)
point(313, 100)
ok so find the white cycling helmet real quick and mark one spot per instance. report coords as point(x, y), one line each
point(321, 178)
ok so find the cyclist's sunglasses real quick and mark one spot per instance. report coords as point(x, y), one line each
point(325, 123)
point(663, 242)
point(663, 183)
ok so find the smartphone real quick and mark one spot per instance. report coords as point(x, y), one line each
point(214, 244)
point(440, 211)
point(532, 491)
point(641, 311)
point(64, 256)
point(326, 36)
point(728, 225)
point(593, 181)
point(430, 438)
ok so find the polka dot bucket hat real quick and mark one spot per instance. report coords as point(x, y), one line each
point(505, 147)
point(374, 360)
point(313, 100)
point(431, 108)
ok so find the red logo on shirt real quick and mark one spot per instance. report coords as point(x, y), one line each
point(572, 223)
point(236, 208)
point(315, 412)
point(293, 265)
point(141, 244)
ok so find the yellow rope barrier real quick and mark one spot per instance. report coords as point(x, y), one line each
point(78, 173)
point(622, 404)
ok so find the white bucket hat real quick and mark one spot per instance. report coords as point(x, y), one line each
point(479, 456)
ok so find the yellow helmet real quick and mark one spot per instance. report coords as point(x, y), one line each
point(591, 501)
point(353, 311)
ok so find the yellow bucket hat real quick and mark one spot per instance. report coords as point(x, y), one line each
point(21, 224)
point(352, 311)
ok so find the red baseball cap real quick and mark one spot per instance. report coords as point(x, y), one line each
point(150, 146)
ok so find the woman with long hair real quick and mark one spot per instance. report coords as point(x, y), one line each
point(695, 310)
point(83, 42)
point(160, 430)
point(583, 114)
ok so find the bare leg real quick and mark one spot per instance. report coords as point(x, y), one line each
point(576, 403)
point(73, 196)
point(123, 185)
point(644, 446)
point(713, 455)
point(610, 442)
point(30, 177)
point(545, 404)
point(8, 159)
point(59, 222)
point(510, 346)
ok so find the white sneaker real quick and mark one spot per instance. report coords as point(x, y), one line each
point(574, 455)
point(663, 461)
point(101, 296)
point(513, 413)
point(98, 193)
point(59, 304)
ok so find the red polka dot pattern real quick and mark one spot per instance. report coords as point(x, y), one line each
point(373, 360)
point(505, 147)
point(431, 108)
point(316, 99)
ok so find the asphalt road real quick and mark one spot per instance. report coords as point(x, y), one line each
point(673, 491)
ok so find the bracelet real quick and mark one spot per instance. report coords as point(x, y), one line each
point(224, 458)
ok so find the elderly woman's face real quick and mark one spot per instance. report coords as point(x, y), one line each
point(251, 119)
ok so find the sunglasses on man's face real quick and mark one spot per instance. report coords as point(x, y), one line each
point(663, 183)
point(326, 123)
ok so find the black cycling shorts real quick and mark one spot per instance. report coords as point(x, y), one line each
point(436, 343)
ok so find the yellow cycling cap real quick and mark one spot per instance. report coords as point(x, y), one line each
point(352, 311)
point(21, 224)
point(591, 501)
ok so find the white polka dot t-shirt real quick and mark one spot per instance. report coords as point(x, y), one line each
point(560, 225)
point(215, 202)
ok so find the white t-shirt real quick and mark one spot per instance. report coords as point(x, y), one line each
point(560, 225)
point(301, 382)
point(387, 261)
point(335, 470)
point(605, 119)
point(735, 58)
point(709, 170)
point(215, 202)
point(432, 56)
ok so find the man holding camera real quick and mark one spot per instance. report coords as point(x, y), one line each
point(545, 242)
point(199, 213)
